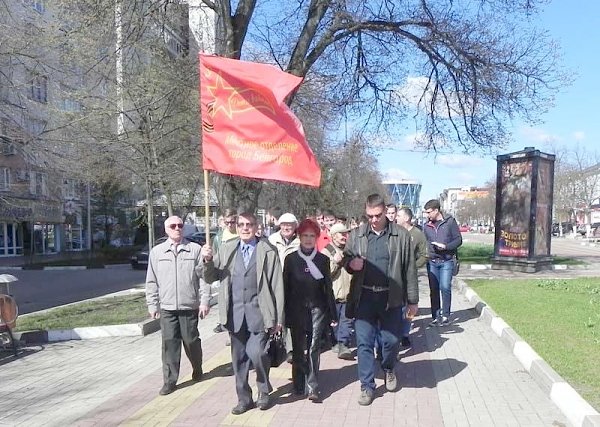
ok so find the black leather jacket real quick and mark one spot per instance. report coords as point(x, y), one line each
point(402, 270)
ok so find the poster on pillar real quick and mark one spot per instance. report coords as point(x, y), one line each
point(515, 206)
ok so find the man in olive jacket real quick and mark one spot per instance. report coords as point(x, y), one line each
point(251, 304)
point(380, 257)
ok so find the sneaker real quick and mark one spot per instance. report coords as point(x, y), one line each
point(365, 398)
point(336, 348)
point(344, 353)
point(445, 321)
point(435, 322)
point(390, 380)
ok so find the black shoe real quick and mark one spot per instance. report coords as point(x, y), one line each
point(219, 328)
point(167, 389)
point(240, 408)
point(263, 401)
point(405, 342)
point(314, 397)
point(197, 375)
point(289, 357)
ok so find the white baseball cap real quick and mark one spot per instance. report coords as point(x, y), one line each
point(288, 218)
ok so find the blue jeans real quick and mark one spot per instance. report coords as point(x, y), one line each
point(372, 315)
point(440, 281)
point(343, 331)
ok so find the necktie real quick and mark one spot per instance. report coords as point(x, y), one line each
point(246, 254)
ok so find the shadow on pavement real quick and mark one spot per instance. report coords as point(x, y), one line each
point(7, 355)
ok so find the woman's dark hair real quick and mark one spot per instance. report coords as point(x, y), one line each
point(308, 224)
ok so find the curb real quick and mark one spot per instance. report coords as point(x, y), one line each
point(554, 267)
point(66, 267)
point(579, 412)
point(143, 328)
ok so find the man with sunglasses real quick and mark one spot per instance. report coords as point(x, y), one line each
point(174, 295)
point(380, 257)
point(251, 304)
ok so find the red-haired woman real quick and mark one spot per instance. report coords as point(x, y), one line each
point(309, 307)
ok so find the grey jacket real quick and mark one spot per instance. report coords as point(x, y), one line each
point(173, 282)
point(270, 279)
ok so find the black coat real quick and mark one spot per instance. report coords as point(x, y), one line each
point(302, 291)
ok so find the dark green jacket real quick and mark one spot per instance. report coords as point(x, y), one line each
point(402, 270)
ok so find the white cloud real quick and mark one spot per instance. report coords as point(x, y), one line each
point(395, 174)
point(458, 160)
point(535, 135)
point(579, 135)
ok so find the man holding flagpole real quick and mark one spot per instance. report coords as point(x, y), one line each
point(250, 305)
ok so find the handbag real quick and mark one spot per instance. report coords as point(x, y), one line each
point(276, 350)
point(456, 266)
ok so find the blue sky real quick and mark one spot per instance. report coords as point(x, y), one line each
point(573, 120)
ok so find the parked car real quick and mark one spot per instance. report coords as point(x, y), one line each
point(567, 227)
point(594, 229)
point(139, 260)
point(464, 228)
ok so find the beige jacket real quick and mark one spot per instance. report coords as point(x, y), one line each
point(283, 249)
point(340, 277)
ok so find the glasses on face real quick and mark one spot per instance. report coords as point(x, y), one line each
point(230, 221)
point(246, 224)
point(376, 216)
point(174, 226)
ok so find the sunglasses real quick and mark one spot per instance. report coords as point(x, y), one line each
point(230, 222)
point(174, 226)
point(246, 224)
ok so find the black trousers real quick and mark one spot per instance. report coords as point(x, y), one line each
point(306, 341)
point(179, 326)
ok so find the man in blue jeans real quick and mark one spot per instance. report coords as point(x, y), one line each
point(380, 257)
point(443, 238)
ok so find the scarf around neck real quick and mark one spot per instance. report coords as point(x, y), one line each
point(312, 268)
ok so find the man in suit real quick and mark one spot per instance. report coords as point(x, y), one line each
point(251, 304)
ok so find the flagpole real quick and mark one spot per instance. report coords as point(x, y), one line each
point(206, 208)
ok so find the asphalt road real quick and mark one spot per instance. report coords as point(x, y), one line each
point(38, 290)
point(560, 246)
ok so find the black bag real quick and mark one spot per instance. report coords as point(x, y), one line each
point(276, 350)
point(456, 268)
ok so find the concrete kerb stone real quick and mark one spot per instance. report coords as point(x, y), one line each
point(143, 328)
point(572, 405)
point(554, 267)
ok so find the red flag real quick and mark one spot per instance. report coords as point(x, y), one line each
point(247, 129)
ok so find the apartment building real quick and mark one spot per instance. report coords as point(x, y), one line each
point(43, 205)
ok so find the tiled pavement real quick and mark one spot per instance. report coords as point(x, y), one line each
point(460, 375)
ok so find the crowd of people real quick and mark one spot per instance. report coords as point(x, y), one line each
point(322, 282)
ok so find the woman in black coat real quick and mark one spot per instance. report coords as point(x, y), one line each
point(309, 307)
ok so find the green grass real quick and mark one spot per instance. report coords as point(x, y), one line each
point(559, 318)
point(480, 253)
point(106, 311)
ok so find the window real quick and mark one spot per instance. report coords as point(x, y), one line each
point(70, 105)
point(4, 179)
point(39, 89)
point(39, 5)
point(7, 148)
point(34, 127)
point(38, 183)
point(69, 189)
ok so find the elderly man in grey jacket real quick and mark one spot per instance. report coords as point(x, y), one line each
point(250, 305)
point(173, 294)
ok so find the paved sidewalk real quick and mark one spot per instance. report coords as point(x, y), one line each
point(459, 375)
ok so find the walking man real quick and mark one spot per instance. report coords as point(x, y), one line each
point(251, 304)
point(444, 238)
point(173, 294)
point(419, 242)
point(382, 262)
point(341, 287)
